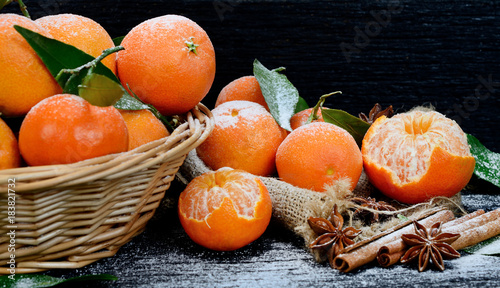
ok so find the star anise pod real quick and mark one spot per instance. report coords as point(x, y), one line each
point(376, 112)
point(429, 245)
point(372, 204)
point(331, 237)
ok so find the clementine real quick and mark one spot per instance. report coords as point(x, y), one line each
point(319, 154)
point(25, 80)
point(143, 127)
point(415, 156)
point(169, 62)
point(244, 88)
point(81, 32)
point(300, 118)
point(245, 137)
point(225, 209)
point(9, 151)
point(65, 128)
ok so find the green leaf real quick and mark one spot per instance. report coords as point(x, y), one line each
point(118, 40)
point(57, 56)
point(355, 126)
point(280, 95)
point(3, 3)
point(39, 281)
point(128, 102)
point(487, 247)
point(487, 162)
point(99, 90)
point(301, 105)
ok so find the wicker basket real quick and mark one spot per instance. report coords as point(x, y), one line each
point(68, 216)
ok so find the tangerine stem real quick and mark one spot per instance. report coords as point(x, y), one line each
point(90, 64)
point(24, 8)
point(321, 101)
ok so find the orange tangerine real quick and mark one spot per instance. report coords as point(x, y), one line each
point(225, 209)
point(65, 128)
point(319, 154)
point(25, 80)
point(245, 137)
point(244, 88)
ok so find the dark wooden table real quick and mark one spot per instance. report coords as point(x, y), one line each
point(401, 52)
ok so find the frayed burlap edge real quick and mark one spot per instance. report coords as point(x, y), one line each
point(292, 206)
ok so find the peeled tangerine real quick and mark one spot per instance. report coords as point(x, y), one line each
point(415, 156)
point(225, 209)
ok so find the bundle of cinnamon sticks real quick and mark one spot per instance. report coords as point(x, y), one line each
point(388, 247)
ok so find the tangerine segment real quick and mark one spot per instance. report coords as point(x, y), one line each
point(225, 210)
point(418, 155)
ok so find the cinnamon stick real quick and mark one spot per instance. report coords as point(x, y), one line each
point(474, 222)
point(390, 253)
point(463, 219)
point(353, 259)
point(480, 233)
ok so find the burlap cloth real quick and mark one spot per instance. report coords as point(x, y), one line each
point(292, 206)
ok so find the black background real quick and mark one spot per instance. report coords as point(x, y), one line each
point(405, 53)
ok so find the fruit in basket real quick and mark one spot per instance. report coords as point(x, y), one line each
point(65, 128)
point(415, 156)
point(169, 62)
point(143, 127)
point(319, 154)
point(225, 209)
point(25, 80)
point(244, 88)
point(81, 32)
point(300, 118)
point(9, 151)
point(245, 137)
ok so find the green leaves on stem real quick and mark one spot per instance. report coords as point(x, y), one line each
point(22, 6)
point(355, 126)
point(81, 74)
point(68, 64)
point(284, 101)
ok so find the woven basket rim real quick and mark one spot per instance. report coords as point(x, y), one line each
point(187, 136)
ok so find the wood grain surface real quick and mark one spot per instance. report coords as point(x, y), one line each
point(444, 53)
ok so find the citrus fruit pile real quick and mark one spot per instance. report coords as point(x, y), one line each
point(411, 157)
point(156, 65)
point(168, 62)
